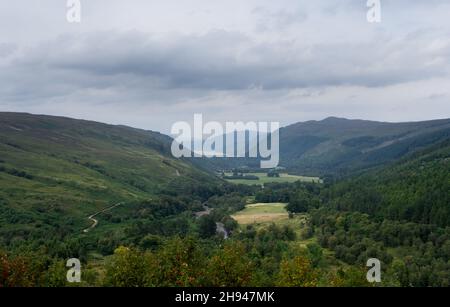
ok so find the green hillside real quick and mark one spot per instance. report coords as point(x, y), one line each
point(415, 189)
point(398, 213)
point(55, 171)
point(341, 146)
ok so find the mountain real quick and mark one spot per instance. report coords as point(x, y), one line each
point(340, 147)
point(54, 166)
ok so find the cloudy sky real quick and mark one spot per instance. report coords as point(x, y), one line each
point(150, 63)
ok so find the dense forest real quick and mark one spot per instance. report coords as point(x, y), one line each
point(162, 242)
point(163, 229)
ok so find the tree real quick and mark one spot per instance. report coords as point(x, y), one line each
point(56, 275)
point(230, 224)
point(315, 254)
point(180, 264)
point(297, 272)
point(351, 277)
point(297, 206)
point(230, 267)
point(150, 242)
point(20, 271)
point(128, 268)
point(207, 226)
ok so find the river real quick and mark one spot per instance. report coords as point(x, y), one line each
point(220, 227)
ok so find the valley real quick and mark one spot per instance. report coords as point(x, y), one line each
point(115, 198)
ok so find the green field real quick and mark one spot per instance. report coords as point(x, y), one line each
point(263, 178)
point(261, 213)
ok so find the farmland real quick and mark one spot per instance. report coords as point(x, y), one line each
point(263, 178)
point(261, 213)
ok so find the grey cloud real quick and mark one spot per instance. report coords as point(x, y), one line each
point(314, 57)
point(221, 60)
point(278, 20)
point(7, 50)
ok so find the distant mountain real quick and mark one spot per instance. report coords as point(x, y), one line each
point(73, 167)
point(338, 146)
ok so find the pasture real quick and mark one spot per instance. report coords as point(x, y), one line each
point(261, 213)
point(263, 178)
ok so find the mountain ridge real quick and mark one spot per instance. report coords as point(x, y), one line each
point(340, 146)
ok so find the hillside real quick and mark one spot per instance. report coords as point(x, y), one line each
point(55, 168)
point(398, 213)
point(340, 146)
point(415, 189)
point(55, 172)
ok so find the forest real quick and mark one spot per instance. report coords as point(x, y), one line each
point(161, 242)
point(166, 230)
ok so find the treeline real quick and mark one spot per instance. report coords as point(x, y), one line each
point(287, 192)
point(255, 257)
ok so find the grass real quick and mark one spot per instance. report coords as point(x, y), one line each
point(263, 178)
point(261, 213)
point(55, 171)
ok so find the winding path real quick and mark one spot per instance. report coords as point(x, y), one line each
point(94, 221)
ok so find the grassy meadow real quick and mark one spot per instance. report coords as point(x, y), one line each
point(263, 178)
point(261, 213)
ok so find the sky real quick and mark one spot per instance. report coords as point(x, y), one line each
point(149, 64)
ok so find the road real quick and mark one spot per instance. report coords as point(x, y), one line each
point(94, 221)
